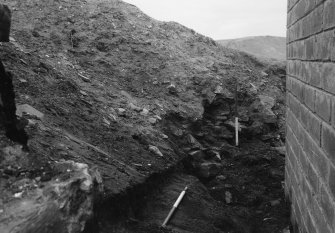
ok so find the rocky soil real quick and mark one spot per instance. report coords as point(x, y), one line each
point(148, 106)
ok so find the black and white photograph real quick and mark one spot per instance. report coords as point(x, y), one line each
point(179, 116)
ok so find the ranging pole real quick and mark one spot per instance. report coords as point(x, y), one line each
point(174, 207)
point(236, 113)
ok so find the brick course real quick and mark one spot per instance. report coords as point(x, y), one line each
point(310, 134)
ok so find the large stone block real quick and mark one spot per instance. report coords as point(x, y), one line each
point(309, 97)
point(323, 105)
point(314, 127)
point(328, 15)
point(328, 141)
point(328, 77)
point(315, 72)
point(326, 205)
point(323, 45)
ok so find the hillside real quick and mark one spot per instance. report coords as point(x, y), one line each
point(142, 108)
point(266, 47)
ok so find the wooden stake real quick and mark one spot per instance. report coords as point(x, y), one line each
point(174, 207)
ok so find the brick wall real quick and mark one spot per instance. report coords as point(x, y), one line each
point(310, 135)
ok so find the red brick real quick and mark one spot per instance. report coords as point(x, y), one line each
point(323, 105)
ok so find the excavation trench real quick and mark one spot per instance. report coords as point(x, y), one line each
point(231, 189)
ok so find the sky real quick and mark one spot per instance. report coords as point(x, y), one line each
point(221, 19)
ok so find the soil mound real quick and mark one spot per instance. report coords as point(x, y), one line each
point(97, 80)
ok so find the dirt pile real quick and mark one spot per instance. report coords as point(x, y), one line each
point(109, 81)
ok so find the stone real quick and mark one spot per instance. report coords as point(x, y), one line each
point(221, 178)
point(64, 204)
point(209, 169)
point(281, 150)
point(213, 154)
point(262, 107)
point(178, 132)
point(243, 115)
point(172, 89)
point(144, 112)
point(134, 107)
point(106, 122)
point(267, 101)
point(224, 92)
point(275, 202)
point(152, 120)
point(121, 111)
point(26, 108)
point(197, 155)
point(194, 142)
point(228, 197)
point(155, 150)
point(83, 93)
point(263, 74)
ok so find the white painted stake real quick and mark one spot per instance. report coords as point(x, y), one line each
point(236, 130)
point(174, 207)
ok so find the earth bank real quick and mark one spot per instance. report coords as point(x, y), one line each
point(117, 90)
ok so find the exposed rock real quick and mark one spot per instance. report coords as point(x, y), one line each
point(84, 93)
point(178, 132)
point(172, 89)
point(26, 108)
point(281, 150)
point(134, 107)
point(221, 178)
point(214, 154)
point(155, 150)
point(264, 74)
point(144, 112)
point(63, 205)
point(197, 155)
point(152, 120)
point(228, 197)
point(191, 140)
point(262, 107)
point(224, 92)
point(121, 111)
point(209, 169)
